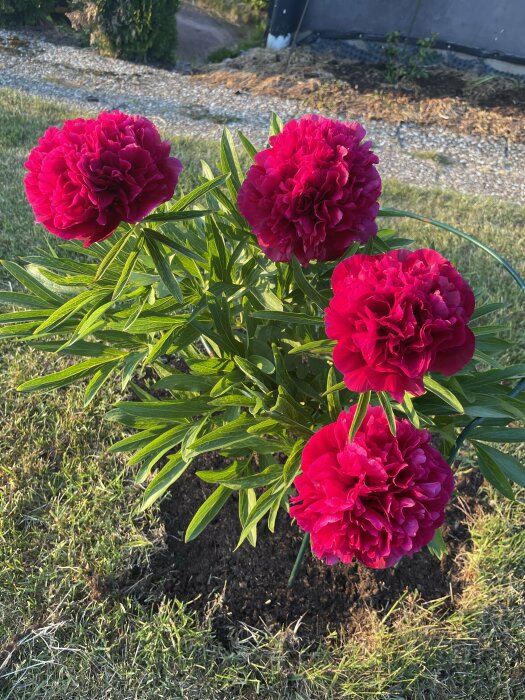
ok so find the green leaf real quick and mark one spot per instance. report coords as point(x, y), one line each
point(27, 301)
point(487, 309)
point(508, 464)
point(332, 397)
point(69, 308)
point(207, 512)
point(276, 124)
point(248, 145)
point(199, 191)
point(247, 499)
point(259, 510)
point(232, 434)
point(488, 434)
point(316, 348)
point(186, 215)
point(161, 444)
point(111, 255)
point(168, 475)
point(437, 546)
point(251, 371)
point(184, 382)
point(31, 283)
point(176, 245)
point(97, 382)
point(289, 317)
point(235, 477)
point(443, 393)
point(230, 162)
point(65, 376)
point(359, 415)
point(384, 400)
point(304, 285)
point(492, 472)
point(151, 414)
point(128, 266)
point(410, 411)
point(162, 265)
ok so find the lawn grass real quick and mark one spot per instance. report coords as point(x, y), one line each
point(68, 523)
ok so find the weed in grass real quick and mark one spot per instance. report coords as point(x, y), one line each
point(435, 156)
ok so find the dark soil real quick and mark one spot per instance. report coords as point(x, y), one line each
point(250, 585)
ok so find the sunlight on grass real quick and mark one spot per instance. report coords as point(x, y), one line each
point(69, 531)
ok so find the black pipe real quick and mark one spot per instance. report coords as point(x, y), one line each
point(284, 18)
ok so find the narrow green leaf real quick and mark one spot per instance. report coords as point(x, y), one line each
point(179, 215)
point(230, 162)
point(65, 376)
point(508, 464)
point(161, 444)
point(176, 245)
point(97, 382)
point(276, 124)
point(31, 283)
point(437, 546)
point(316, 348)
point(199, 191)
point(384, 400)
point(304, 285)
point(489, 434)
point(248, 145)
point(184, 382)
point(247, 500)
point(69, 308)
point(332, 397)
point(207, 512)
point(150, 414)
point(359, 415)
point(27, 301)
point(410, 411)
point(162, 265)
point(492, 472)
point(443, 393)
point(128, 266)
point(168, 475)
point(259, 510)
point(111, 255)
point(289, 317)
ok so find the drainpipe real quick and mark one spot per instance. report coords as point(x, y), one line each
point(284, 17)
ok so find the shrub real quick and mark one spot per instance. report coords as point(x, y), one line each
point(141, 30)
point(25, 11)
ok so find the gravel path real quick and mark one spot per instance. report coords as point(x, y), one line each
point(187, 106)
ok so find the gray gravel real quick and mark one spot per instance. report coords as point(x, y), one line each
point(83, 80)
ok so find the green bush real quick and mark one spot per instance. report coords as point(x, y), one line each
point(24, 11)
point(137, 29)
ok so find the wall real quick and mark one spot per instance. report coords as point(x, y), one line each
point(489, 25)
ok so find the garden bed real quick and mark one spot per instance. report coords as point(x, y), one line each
point(250, 585)
point(490, 105)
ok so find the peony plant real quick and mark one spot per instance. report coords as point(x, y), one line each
point(267, 317)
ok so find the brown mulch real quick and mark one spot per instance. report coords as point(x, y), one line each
point(467, 103)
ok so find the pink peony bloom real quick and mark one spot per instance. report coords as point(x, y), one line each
point(376, 499)
point(313, 192)
point(396, 316)
point(88, 176)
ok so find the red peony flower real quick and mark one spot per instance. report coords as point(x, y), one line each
point(313, 192)
point(396, 316)
point(88, 176)
point(376, 499)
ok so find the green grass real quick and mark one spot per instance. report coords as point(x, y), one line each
point(68, 523)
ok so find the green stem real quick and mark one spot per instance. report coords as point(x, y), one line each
point(299, 559)
point(456, 231)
